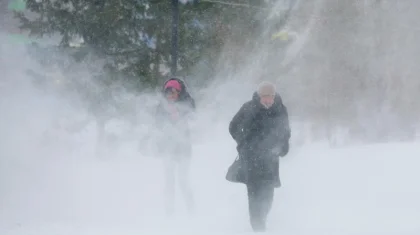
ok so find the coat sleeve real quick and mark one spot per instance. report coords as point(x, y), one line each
point(192, 103)
point(189, 108)
point(285, 134)
point(286, 125)
point(236, 126)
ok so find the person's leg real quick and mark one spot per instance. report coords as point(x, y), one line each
point(185, 183)
point(260, 199)
point(169, 185)
point(254, 207)
point(266, 199)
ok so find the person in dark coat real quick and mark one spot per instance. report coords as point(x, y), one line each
point(173, 113)
point(261, 131)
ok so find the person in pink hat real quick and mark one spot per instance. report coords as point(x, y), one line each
point(172, 117)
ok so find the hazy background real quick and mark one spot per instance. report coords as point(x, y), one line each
point(78, 158)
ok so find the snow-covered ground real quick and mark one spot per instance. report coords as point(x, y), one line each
point(359, 190)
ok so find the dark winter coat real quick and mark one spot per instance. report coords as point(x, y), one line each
point(172, 124)
point(262, 136)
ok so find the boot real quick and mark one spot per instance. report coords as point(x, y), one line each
point(258, 225)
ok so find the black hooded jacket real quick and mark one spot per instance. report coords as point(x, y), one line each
point(262, 135)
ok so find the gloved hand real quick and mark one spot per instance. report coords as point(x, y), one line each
point(285, 149)
point(276, 151)
point(281, 150)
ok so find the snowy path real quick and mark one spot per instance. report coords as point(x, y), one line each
point(361, 190)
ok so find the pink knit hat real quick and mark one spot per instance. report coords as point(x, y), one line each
point(173, 84)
